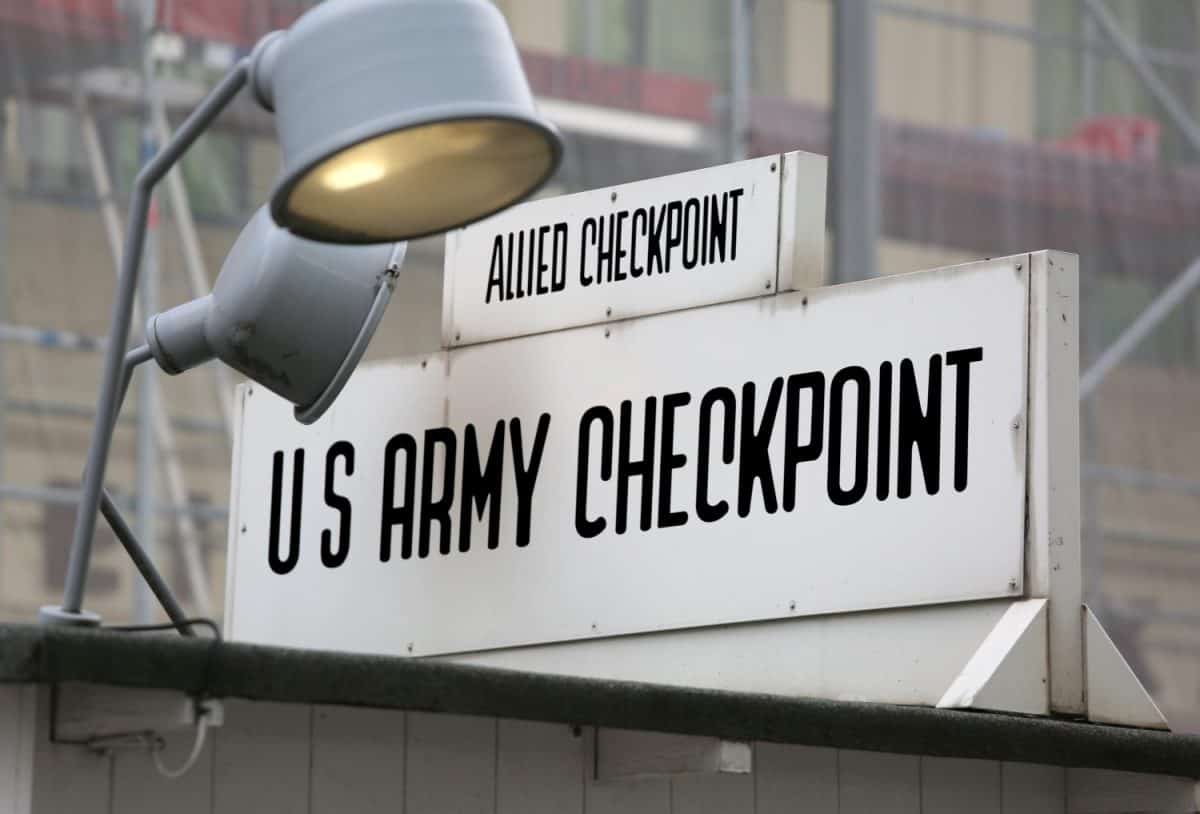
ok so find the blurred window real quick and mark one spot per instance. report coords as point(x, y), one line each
point(1117, 92)
point(686, 37)
point(1118, 300)
point(55, 161)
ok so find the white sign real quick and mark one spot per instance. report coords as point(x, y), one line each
point(695, 238)
point(853, 447)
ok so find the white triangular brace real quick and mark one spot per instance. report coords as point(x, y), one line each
point(1114, 694)
point(1008, 671)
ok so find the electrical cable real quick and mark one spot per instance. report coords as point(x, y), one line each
point(193, 622)
point(197, 748)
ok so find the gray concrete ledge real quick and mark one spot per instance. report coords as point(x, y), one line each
point(47, 655)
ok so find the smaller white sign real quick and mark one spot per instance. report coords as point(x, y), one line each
point(696, 238)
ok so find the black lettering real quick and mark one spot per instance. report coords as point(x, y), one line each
point(588, 224)
point(508, 272)
point(795, 453)
point(519, 269)
point(402, 514)
point(837, 389)
point(329, 557)
point(716, 227)
point(604, 250)
point(691, 233)
point(734, 194)
point(669, 460)
point(633, 468)
point(438, 509)
point(712, 512)
point(674, 230)
point(920, 429)
point(481, 486)
point(585, 527)
point(654, 251)
point(621, 252)
point(496, 271)
point(754, 458)
point(526, 475)
point(542, 265)
point(883, 468)
point(962, 409)
point(558, 266)
point(283, 565)
point(639, 214)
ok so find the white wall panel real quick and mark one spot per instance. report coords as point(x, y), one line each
point(17, 705)
point(874, 781)
point(650, 795)
point(951, 785)
point(795, 778)
point(540, 768)
point(138, 788)
point(261, 758)
point(357, 760)
point(1031, 788)
point(451, 764)
point(712, 793)
point(1095, 791)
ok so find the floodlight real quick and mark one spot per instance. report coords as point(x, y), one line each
point(397, 119)
point(292, 314)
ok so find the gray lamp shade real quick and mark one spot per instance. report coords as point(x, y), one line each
point(400, 119)
point(292, 314)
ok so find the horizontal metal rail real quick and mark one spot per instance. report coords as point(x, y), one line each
point(70, 497)
point(1141, 479)
point(49, 338)
point(1162, 57)
point(59, 409)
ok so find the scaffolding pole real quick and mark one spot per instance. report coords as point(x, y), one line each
point(193, 258)
point(1158, 310)
point(1136, 59)
point(738, 115)
point(175, 483)
point(147, 393)
point(855, 164)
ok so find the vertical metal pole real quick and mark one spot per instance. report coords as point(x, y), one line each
point(4, 255)
point(592, 26)
point(147, 452)
point(855, 147)
point(1155, 86)
point(738, 136)
point(1087, 65)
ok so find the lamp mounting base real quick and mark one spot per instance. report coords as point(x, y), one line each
point(55, 615)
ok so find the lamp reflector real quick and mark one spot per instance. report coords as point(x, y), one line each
point(420, 181)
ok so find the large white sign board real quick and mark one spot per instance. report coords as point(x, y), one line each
point(695, 238)
point(846, 448)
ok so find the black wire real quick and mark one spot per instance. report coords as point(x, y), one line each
point(168, 626)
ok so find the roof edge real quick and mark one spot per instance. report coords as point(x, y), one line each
point(48, 655)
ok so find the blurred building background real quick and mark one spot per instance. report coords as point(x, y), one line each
point(967, 128)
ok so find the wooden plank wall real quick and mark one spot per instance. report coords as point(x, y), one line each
point(311, 759)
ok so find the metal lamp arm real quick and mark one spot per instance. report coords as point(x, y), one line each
point(111, 384)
